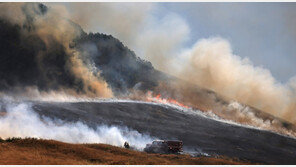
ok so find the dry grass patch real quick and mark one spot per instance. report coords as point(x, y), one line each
point(35, 151)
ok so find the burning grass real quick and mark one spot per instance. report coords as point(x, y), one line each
point(37, 151)
point(169, 101)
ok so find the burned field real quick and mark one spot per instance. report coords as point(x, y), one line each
point(200, 134)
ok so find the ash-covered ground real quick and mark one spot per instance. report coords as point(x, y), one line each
point(200, 134)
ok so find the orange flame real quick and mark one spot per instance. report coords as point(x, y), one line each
point(159, 99)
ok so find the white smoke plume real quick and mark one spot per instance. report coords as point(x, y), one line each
point(19, 120)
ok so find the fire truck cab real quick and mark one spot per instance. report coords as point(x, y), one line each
point(164, 147)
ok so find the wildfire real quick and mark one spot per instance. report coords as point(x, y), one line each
point(159, 99)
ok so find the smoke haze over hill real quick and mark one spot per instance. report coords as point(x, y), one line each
point(209, 63)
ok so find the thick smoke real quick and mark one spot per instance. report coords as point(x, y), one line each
point(20, 120)
point(211, 64)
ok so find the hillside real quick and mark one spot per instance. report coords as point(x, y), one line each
point(33, 152)
point(30, 62)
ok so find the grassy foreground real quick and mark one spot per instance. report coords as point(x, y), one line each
point(38, 151)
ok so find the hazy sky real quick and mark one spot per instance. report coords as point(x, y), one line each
point(263, 32)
